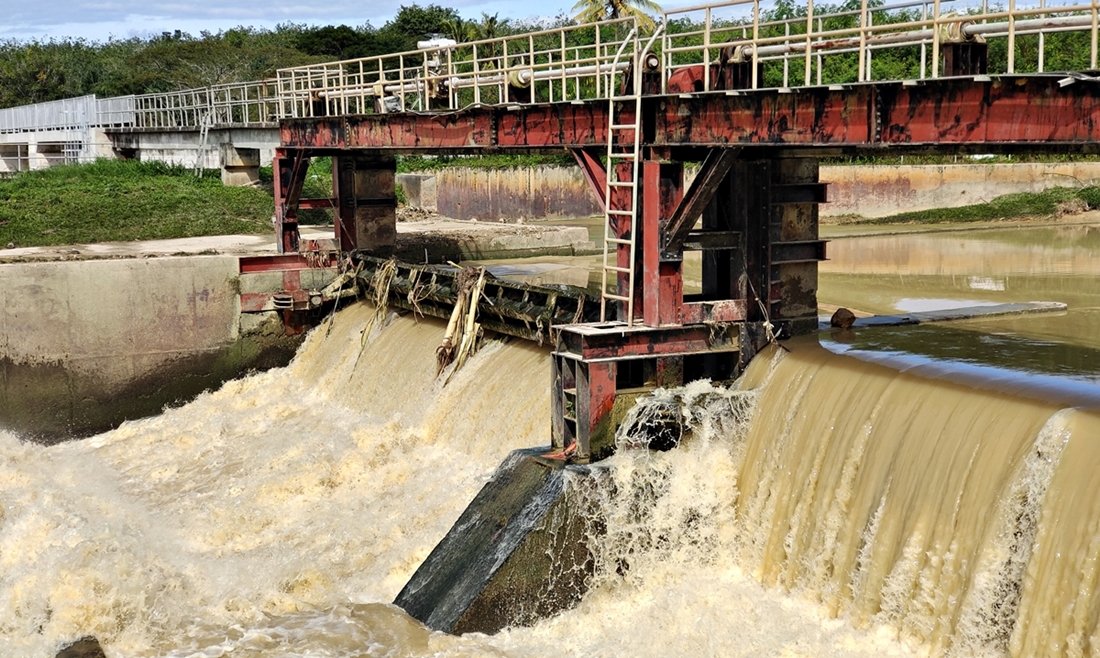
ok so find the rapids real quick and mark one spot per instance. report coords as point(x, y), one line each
point(823, 506)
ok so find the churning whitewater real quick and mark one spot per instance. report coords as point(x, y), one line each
point(822, 506)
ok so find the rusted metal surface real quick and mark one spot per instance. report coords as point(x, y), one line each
point(797, 252)
point(711, 174)
point(508, 307)
point(1026, 110)
point(594, 173)
point(945, 114)
point(249, 264)
point(723, 310)
point(615, 342)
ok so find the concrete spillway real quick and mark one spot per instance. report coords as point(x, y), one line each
point(516, 555)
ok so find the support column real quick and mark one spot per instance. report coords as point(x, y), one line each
point(965, 58)
point(375, 203)
point(240, 166)
point(595, 399)
point(795, 249)
point(662, 286)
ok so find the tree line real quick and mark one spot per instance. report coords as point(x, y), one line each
point(35, 71)
point(43, 70)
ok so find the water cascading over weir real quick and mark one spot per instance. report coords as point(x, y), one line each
point(870, 525)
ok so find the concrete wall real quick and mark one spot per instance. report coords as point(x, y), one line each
point(878, 191)
point(530, 192)
point(870, 191)
point(85, 345)
point(37, 150)
point(181, 147)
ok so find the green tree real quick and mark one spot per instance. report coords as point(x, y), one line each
point(415, 23)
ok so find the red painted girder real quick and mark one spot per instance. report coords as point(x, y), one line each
point(326, 132)
point(641, 341)
point(273, 263)
point(1030, 110)
point(533, 126)
point(1023, 109)
point(421, 131)
point(817, 116)
point(1026, 110)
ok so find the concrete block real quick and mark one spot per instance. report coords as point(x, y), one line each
point(240, 176)
point(420, 190)
point(493, 568)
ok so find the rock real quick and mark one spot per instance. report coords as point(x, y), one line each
point(843, 318)
point(85, 647)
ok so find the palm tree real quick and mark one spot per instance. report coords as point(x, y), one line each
point(490, 27)
point(459, 29)
point(591, 11)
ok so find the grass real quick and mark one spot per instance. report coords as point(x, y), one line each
point(115, 201)
point(1009, 206)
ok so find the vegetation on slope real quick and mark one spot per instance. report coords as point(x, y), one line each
point(110, 201)
point(1054, 201)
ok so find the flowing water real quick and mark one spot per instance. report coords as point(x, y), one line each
point(885, 492)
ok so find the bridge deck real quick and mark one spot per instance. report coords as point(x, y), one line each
point(971, 114)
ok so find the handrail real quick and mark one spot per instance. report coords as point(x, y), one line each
point(578, 63)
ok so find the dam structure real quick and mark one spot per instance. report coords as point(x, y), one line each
point(891, 494)
point(633, 107)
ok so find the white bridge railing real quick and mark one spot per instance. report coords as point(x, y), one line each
point(572, 63)
point(577, 63)
point(237, 105)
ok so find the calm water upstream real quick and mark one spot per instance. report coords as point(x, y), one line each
point(911, 491)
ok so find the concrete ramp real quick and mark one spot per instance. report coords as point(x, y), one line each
point(516, 555)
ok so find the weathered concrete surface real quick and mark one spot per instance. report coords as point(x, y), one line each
point(85, 345)
point(870, 191)
point(880, 191)
point(516, 555)
point(185, 147)
point(952, 314)
point(527, 192)
point(441, 240)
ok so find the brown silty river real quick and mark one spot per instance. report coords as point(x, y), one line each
point(921, 490)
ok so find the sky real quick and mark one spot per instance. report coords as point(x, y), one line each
point(99, 20)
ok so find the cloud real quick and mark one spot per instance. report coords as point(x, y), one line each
point(102, 19)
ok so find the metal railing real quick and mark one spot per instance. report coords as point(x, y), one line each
point(65, 114)
point(572, 63)
point(577, 63)
point(245, 104)
point(804, 50)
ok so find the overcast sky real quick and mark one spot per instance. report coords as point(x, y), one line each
point(102, 19)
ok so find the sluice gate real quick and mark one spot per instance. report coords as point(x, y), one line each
point(633, 109)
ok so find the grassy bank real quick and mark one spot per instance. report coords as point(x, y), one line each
point(112, 201)
point(1054, 201)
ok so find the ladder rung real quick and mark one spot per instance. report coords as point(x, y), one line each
point(618, 241)
point(616, 183)
point(624, 155)
point(616, 268)
point(624, 126)
point(621, 213)
point(623, 98)
point(608, 295)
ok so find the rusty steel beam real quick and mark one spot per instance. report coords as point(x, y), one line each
point(999, 112)
point(594, 174)
point(595, 342)
point(702, 190)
